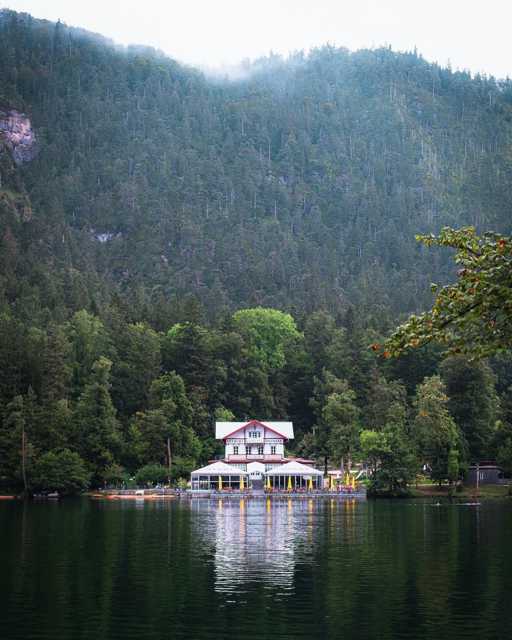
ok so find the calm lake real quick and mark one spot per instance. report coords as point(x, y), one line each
point(249, 569)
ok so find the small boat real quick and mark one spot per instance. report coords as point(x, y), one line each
point(140, 494)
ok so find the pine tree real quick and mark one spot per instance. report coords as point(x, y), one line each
point(97, 434)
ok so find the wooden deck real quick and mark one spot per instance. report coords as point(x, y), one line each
point(278, 495)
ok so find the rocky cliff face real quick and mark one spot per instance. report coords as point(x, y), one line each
point(17, 134)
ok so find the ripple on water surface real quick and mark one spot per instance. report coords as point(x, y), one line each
point(230, 568)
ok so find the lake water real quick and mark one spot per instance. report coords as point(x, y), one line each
point(284, 569)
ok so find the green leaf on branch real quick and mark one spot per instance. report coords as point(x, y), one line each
point(473, 316)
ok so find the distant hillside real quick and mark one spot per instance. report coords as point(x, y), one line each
point(301, 187)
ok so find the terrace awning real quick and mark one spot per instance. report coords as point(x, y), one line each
point(293, 469)
point(219, 469)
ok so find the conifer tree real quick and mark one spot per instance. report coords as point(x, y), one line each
point(97, 434)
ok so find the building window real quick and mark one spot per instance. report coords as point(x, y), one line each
point(254, 434)
point(260, 450)
point(235, 451)
point(273, 451)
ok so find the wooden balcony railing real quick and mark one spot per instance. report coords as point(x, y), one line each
point(263, 457)
point(254, 440)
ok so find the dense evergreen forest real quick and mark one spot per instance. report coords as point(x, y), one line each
point(163, 218)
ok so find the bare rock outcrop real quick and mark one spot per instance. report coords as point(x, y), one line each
point(18, 136)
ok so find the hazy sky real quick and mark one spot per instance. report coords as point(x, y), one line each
point(470, 34)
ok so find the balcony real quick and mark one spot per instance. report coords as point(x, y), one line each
point(250, 457)
point(250, 441)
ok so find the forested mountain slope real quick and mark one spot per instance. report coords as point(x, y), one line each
point(299, 187)
point(145, 209)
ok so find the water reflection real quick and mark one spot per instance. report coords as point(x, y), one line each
point(256, 541)
point(286, 569)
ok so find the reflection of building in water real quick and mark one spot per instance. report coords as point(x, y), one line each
point(256, 540)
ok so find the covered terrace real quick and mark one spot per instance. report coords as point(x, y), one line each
point(293, 476)
point(218, 476)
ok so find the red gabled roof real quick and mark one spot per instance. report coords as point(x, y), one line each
point(276, 432)
point(263, 458)
point(255, 422)
point(300, 460)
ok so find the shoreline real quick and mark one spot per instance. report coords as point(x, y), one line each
point(484, 492)
point(421, 492)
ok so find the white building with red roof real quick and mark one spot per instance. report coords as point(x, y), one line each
point(253, 453)
point(254, 446)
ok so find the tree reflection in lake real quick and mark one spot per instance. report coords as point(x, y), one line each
point(289, 569)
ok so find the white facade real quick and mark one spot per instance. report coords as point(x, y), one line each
point(255, 461)
point(254, 442)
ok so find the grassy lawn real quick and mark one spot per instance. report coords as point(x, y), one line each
point(486, 491)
